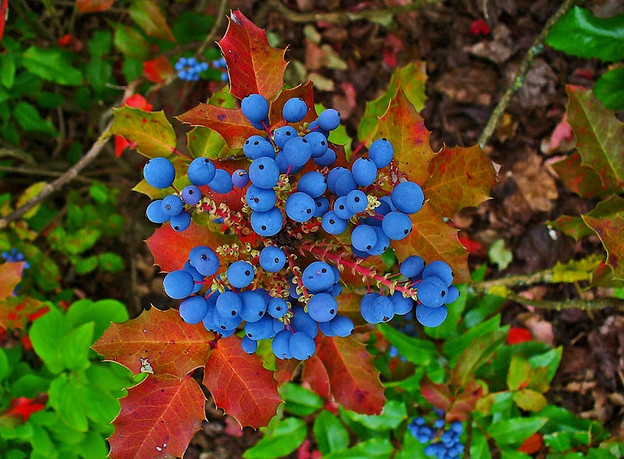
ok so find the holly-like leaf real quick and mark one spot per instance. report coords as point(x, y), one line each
point(147, 15)
point(160, 339)
point(352, 374)
point(10, 276)
point(158, 418)
point(259, 68)
point(17, 312)
point(93, 6)
point(304, 92)
point(439, 395)
point(599, 136)
point(433, 239)
point(229, 122)
point(610, 231)
point(240, 384)
point(459, 177)
point(149, 132)
point(171, 248)
point(411, 79)
point(581, 179)
point(405, 129)
point(204, 142)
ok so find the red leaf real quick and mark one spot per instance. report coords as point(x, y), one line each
point(285, 370)
point(93, 6)
point(158, 338)
point(259, 67)
point(581, 179)
point(518, 335)
point(171, 248)
point(240, 384)
point(17, 312)
point(158, 418)
point(4, 6)
point(459, 177)
point(610, 230)
point(10, 276)
point(23, 408)
point(315, 377)
point(157, 70)
point(233, 199)
point(229, 122)
point(439, 395)
point(532, 444)
point(479, 27)
point(138, 101)
point(303, 91)
point(465, 402)
point(352, 374)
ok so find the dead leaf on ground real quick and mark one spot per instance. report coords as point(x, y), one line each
point(497, 50)
point(468, 85)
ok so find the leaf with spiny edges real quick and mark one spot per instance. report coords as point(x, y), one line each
point(315, 377)
point(411, 79)
point(405, 129)
point(240, 385)
point(10, 276)
point(459, 177)
point(610, 231)
point(599, 137)
point(259, 67)
point(354, 380)
point(206, 143)
point(171, 249)
point(576, 227)
point(158, 418)
point(581, 179)
point(230, 123)
point(161, 338)
point(433, 239)
point(150, 133)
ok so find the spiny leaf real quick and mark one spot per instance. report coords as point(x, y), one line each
point(352, 374)
point(149, 132)
point(229, 122)
point(204, 142)
point(171, 248)
point(315, 377)
point(158, 338)
point(459, 177)
point(576, 227)
point(10, 276)
point(240, 385)
point(599, 136)
point(433, 239)
point(148, 17)
point(158, 418)
point(405, 129)
point(610, 231)
point(259, 68)
point(411, 79)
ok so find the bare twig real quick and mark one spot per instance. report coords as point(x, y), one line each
point(346, 16)
point(574, 303)
point(39, 172)
point(215, 28)
point(524, 68)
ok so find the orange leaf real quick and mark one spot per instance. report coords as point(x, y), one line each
point(157, 69)
point(93, 6)
point(240, 384)
point(158, 338)
point(532, 444)
point(17, 312)
point(315, 377)
point(158, 418)
point(405, 129)
point(10, 276)
point(439, 395)
point(229, 122)
point(304, 92)
point(259, 67)
point(459, 177)
point(352, 374)
point(433, 239)
point(171, 248)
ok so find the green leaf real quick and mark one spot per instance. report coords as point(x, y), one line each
point(110, 262)
point(418, 351)
point(329, 433)
point(550, 359)
point(299, 400)
point(282, 440)
point(190, 26)
point(582, 34)
point(29, 119)
point(93, 446)
point(66, 399)
point(81, 240)
point(150, 133)
point(529, 400)
point(4, 365)
point(393, 414)
point(74, 347)
point(519, 372)
point(101, 313)
point(42, 443)
point(51, 65)
point(204, 142)
point(375, 448)
point(100, 43)
point(479, 448)
point(475, 355)
point(514, 430)
point(86, 265)
point(130, 42)
point(99, 72)
point(500, 255)
point(7, 70)
point(576, 270)
point(45, 335)
point(453, 348)
point(609, 89)
point(511, 454)
point(30, 385)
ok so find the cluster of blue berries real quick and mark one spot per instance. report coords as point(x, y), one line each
point(259, 287)
point(447, 444)
point(189, 68)
point(15, 255)
point(221, 65)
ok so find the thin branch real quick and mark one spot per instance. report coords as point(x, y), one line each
point(524, 68)
point(345, 16)
point(575, 303)
point(518, 280)
point(39, 172)
point(215, 28)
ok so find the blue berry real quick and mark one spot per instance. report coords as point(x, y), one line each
point(431, 317)
point(181, 221)
point(283, 135)
point(327, 159)
point(240, 178)
point(322, 307)
point(201, 171)
point(431, 292)
point(342, 326)
point(191, 195)
point(260, 199)
point(321, 206)
point(257, 147)
point(297, 152)
point(381, 152)
point(332, 223)
point(302, 322)
point(260, 329)
point(254, 305)
point(229, 304)
point(451, 295)
point(300, 207)
point(193, 309)
point(357, 201)
point(178, 284)
point(376, 308)
point(294, 110)
point(264, 173)
point(204, 260)
point(363, 237)
point(364, 171)
point(329, 119)
point(396, 225)
point(407, 197)
point(440, 270)
point(412, 266)
point(240, 274)
point(312, 183)
point(301, 346)
point(172, 205)
point(155, 212)
point(272, 259)
point(400, 304)
point(255, 108)
point(249, 345)
point(277, 307)
point(318, 143)
point(318, 277)
point(222, 182)
point(341, 208)
point(280, 344)
point(267, 223)
point(159, 172)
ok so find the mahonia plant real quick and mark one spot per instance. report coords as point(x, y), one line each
point(271, 230)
